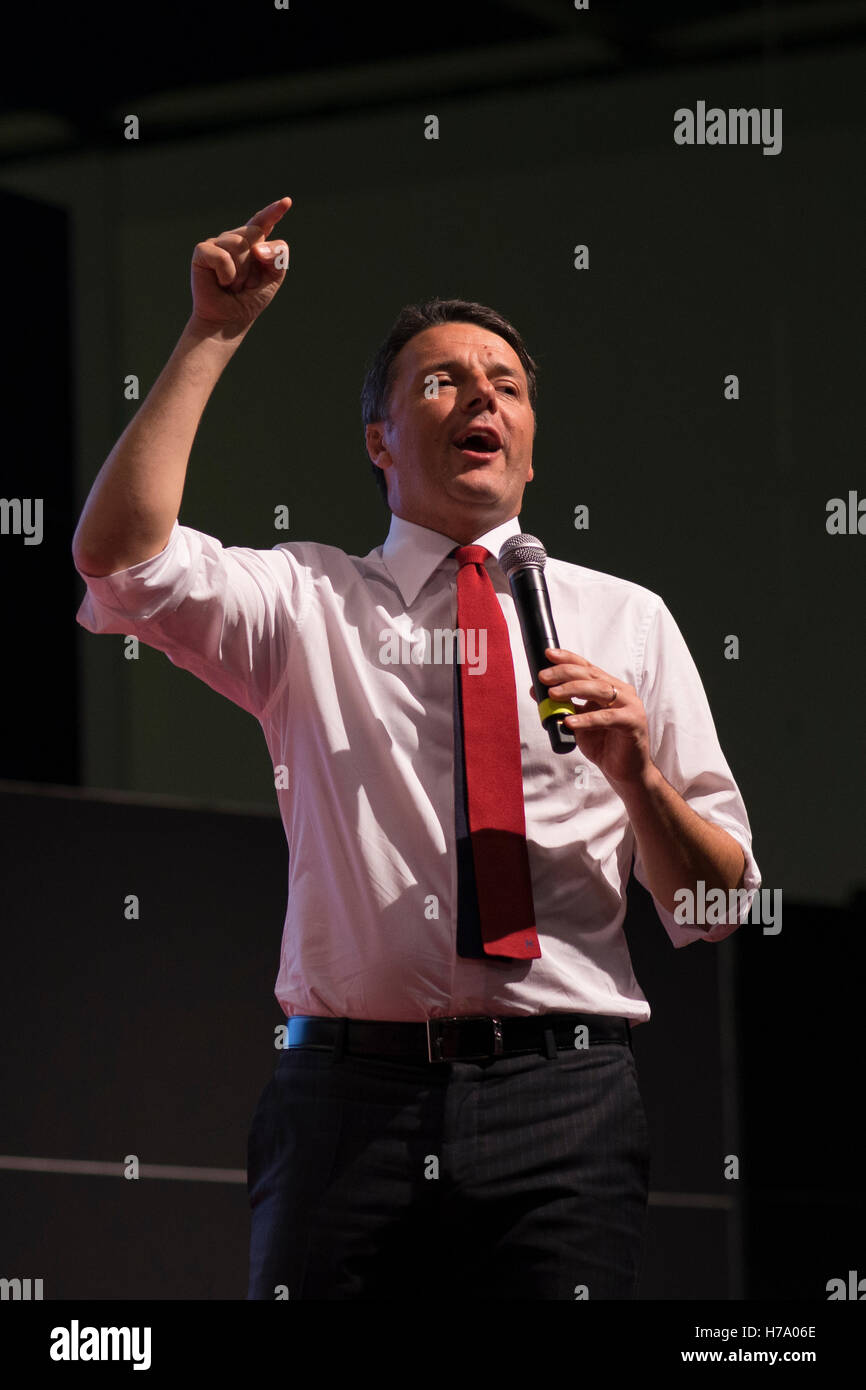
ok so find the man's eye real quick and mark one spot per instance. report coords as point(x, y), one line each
point(508, 386)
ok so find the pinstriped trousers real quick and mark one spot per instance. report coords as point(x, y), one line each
point(521, 1177)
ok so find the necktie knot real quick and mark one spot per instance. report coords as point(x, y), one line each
point(470, 554)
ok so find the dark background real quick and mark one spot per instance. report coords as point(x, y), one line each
point(556, 128)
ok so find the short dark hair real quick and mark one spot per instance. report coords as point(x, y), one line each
point(413, 319)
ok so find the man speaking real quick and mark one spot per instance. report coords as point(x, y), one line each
point(456, 1112)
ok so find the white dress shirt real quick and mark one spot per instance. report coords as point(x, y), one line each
point(299, 636)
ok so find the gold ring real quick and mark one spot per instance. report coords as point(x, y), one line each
point(613, 697)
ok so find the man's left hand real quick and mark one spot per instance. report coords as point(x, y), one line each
point(610, 728)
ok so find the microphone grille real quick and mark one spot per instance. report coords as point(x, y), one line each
point(521, 550)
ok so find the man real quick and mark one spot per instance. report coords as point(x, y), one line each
point(456, 1112)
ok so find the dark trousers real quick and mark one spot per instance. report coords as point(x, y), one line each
point(515, 1177)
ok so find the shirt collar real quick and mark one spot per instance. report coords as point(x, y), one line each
point(411, 553)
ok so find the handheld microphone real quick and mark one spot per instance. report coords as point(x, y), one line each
point(522, 559)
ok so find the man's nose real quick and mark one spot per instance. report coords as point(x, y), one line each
point(479, 389)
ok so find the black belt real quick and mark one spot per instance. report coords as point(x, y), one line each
point(456, 1039)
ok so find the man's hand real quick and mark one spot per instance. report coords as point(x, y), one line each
point(236, 274)
point(678, 846)
point(611, 728)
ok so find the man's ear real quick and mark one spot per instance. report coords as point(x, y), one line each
point(375, 437)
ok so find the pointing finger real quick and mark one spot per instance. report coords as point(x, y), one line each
point(262, 223)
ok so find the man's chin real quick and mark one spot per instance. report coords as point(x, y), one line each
point(479, 483)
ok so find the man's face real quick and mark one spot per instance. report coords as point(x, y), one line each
point(480, 385)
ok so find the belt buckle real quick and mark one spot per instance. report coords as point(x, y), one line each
point(434, 1036)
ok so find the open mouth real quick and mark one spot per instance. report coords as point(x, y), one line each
point(477, 446)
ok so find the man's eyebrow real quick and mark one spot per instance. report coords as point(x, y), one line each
point(495, 369)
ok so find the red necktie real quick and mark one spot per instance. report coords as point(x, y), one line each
point(494, 774)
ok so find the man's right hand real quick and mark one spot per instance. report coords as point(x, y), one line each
point(235, 275)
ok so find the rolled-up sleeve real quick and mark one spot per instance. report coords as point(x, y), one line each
point(685, 747)
point(225, 613)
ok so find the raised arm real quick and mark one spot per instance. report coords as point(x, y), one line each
point(136, 497)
